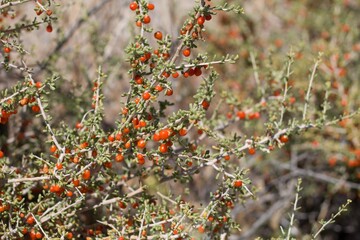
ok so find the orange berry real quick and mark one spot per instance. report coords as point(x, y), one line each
point(35, 108)
point(169, 92)
point(119, 157)
point(164, 134)
point(158, 35)
point(141, 143)
point(241, 114)
point(1, 154)
point(133, 6)
point(182, 132)
point(141, 159)
point(284, 138)
point(150, 6)
point(237, 183)
point(163, 148)
point(30, 220)
point(86, 174)
point(59, 166)
point(175, 74)
point(53, 148)
point(186, 52)
point(146, 95)
point(7, 49)
point(49, 12)
point(158, 88)
point(146, 19)
point(251, 151)
point(201, 20)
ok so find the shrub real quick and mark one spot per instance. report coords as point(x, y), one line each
point(194, 142)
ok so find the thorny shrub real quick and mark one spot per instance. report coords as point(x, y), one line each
point(174, 166)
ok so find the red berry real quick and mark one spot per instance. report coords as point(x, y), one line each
point(165, 134)
point(86, 174)
point(141, 159)
point(182, 132)
point(146, 19)
point(208, 17)
point(241, 114)
point(30, 220)
point(133, 6)
point(146, 95)
point(158, 35)
point(251, 151)
point(201, 20)
point(59, 166)
point(158, 88)
point(163, 148)
point(175, 74)
point(49, 28)
point(205, 104)
point(186, 52)
point(237, 183)
point(141, 143)
point(284, 138)
point(35, 108)
point(169, 92)
point(150, 6)
point(1, 154)
point(7, 49)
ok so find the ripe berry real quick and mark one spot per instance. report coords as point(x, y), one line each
point(38, 235)
point(169, 92)
point(175, 74)
point(49, 28)
point(30, 220)
point(146, 95)
point(150, 6)
point(59, 166)
point(111, 138)
point(158, 35)
point(53, 148)
point(141, 143)
point(163, 148)
point(284, 138)
point(156, 137)
point(205, 104)
point(86, 174)
point(7, 49)
point(251, 151)
point(241, 114)
point(146, 19)
point(158, 88)
point(186, 52)
point(49, 12)
point(237, 183)
point(182, 132)
point(201, 20)
point(35, 108)
point(208, 17)
point(119, 157)
point(133, 6)
point(164, 134)
point(1, 154)
point(141, 159)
